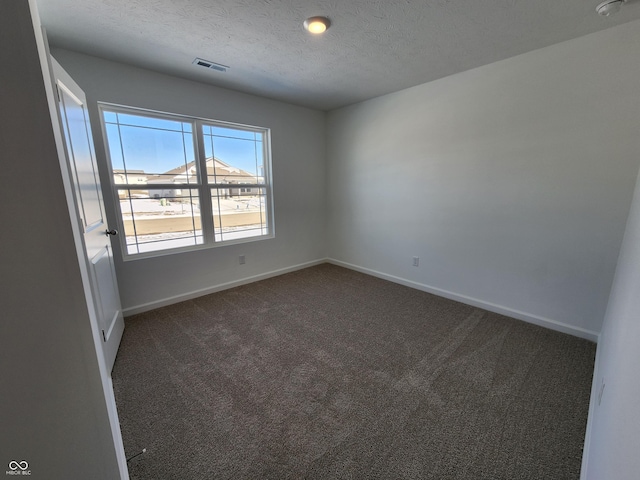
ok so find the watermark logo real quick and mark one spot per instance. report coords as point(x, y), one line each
point(18, 468)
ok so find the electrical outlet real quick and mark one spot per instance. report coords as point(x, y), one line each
point(601, 392)
point(241, 259)
point(416, 261)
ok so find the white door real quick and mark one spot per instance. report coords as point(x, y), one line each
point(90, 211)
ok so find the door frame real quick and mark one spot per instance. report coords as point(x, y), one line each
point(105, 375)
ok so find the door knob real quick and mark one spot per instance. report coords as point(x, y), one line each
point(111, 232)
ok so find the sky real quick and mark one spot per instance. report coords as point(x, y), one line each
point(157, 145)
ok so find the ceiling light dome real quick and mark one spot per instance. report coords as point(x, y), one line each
point(317, 24)
point(609, 7)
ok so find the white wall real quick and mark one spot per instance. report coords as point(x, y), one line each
point(614, 444)
point(53, 413)
point(298, 152)
point(511, 182)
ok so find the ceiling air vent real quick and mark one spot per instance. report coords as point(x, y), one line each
point(211, 65)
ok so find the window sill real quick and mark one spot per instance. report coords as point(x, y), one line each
point(181, 250)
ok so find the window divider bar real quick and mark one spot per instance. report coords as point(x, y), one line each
point(206, 209)
point(157, 186)
point(237, 185)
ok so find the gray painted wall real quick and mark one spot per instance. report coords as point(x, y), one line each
point(615, 423)
point(53, 413)
point(298, 151)
point(512, 182)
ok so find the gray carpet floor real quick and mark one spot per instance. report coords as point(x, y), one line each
point(326, 373)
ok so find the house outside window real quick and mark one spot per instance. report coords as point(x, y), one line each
point(183, 183)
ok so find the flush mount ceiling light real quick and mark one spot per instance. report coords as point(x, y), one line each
point(317, 24)
point(609, 7)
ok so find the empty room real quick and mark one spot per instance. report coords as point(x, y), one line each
point(320, 240)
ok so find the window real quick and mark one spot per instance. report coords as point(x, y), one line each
point(186, 183)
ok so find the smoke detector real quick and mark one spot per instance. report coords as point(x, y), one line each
point(610, 7)
point(211, 65)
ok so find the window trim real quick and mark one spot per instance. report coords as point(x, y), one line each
point(203, 186)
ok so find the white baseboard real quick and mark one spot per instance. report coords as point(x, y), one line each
point(509, 312)
point(216, 288)
point(595, 386)
point(536, 320)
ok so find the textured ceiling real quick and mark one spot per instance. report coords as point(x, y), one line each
point(373, 47)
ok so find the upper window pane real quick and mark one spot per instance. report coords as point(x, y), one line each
point(233, 155)
point(235, 133)
point(150, 150)
point(110, 117)
point(146, 121)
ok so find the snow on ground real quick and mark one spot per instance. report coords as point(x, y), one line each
point(147, 208)
point(151, 207)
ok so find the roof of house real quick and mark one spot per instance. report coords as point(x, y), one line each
point(217, 170)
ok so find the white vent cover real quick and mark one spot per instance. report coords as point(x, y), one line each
point(208, 64)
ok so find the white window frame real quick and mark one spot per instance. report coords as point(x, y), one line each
point(203, 186)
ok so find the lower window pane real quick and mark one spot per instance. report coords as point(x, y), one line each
point(239, 211)
point(160, 219)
